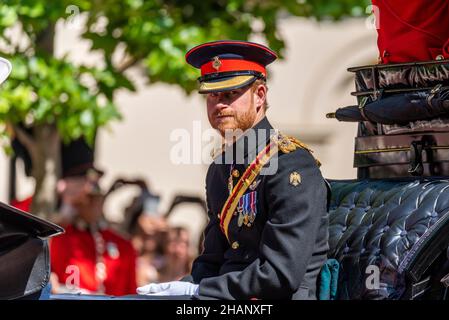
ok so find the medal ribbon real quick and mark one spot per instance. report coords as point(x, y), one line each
point(243, 184)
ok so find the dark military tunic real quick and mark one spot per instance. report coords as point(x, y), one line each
point(280, 255)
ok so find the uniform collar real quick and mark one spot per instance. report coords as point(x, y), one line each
point(245, 149)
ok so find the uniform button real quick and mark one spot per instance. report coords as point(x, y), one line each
point(439, 57)
point(235, 173)
point(235, 245)
point(385, 54)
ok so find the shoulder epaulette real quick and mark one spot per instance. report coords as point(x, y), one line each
point(288, 144)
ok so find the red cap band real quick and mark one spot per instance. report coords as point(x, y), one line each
point(227, 65)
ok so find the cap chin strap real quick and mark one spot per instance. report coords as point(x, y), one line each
point(220, 75)
point(226, 85)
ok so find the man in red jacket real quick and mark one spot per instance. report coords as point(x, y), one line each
point(415, 30)
point(89, 257)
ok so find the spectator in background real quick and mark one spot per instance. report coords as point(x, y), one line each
point(147, 229)
point(89, 257)
point(177, 258)
point(151, 236)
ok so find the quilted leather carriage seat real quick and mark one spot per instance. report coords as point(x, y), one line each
point(396, 230)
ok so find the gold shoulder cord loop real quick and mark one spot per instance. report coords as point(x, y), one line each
point(288, 144)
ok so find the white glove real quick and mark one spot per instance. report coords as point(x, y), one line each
point(173, 288)
point(5, 69)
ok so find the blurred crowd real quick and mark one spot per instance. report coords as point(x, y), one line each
point(95, 256)
point(163, 251)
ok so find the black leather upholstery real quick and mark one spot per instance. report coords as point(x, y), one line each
point(24, 270)
point(400, 226)
point(369, 79)
point(24, 256)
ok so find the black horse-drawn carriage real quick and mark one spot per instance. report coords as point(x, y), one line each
point(393, 221)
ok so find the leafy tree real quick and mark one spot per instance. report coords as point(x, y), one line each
point(56, 100)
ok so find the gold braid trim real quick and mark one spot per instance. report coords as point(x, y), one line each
point(288, 144)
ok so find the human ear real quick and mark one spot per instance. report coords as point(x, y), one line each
point(260, 96)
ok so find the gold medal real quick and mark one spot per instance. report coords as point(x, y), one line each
point(240, 219)
point(252, 217)
point(245, 219)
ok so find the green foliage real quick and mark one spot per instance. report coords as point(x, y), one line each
point(43, 89)
point(161, 32)
point(51, 91)
point(153, 34)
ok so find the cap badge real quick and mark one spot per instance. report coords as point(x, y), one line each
point(217, 63)
point(240, 219)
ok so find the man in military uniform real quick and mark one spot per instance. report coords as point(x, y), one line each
point(267, 236)
point(90, 257)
